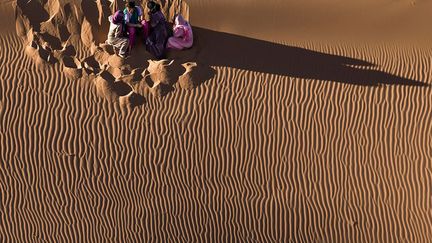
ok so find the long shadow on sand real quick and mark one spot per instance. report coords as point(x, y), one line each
point(222, 49)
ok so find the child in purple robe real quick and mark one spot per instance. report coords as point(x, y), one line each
point(156, 41)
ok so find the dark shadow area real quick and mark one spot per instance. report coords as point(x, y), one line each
point(34, 11)
point(158, 89)
point(69, 51)
point(96, 13)
point(46, 56)
point(92, 65)
point(52, 41)
point(163, 89)
point(136, 100)
point(133, 77)
point(63, 32)
point(214, 48)
point(70, 62)
point(121, 88)
point(201, 74)
point(107, 76)
point(91, 11)
point(139, 57)
point(149, 82)
point(169, 74)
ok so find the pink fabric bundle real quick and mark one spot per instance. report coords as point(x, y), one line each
point(183, 36)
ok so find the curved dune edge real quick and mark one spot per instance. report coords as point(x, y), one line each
point(63, 31)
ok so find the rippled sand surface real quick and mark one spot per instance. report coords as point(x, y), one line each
point(248, 137)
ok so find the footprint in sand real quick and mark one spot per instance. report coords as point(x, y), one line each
point(134, 77)
point(40, 56)
point(91, 66)
point(160, 76)
point(157, 87)
point(46, 49)
point(100, 54)
point(72, 67)
point(163, 71)
point(194, 75)
point(116, 90)
point(131, 100)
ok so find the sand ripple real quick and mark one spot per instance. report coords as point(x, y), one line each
point(246, 157)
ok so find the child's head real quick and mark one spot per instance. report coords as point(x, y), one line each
point(153, 6)
point(118, 17)
point(130, 5)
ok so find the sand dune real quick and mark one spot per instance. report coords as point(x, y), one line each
point(63, 27)
point(254, 140)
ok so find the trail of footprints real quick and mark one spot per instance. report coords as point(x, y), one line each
point(116, 80)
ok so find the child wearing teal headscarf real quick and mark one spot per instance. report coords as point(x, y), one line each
point(133, 19)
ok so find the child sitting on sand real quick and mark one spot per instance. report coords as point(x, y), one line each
point(182, 35)
point(158, 36)
point(133, 19)
point(115, 34)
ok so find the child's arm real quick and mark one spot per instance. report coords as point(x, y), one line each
point(140, 13)
point(128, 23)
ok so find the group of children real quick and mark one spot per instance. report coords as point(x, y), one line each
point(127, 25)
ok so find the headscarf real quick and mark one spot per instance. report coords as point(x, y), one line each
point(118, 17)
point(179, 20)
point(153, 7)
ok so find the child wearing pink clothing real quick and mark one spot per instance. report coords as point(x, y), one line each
point(182, 35)
point(134, 23)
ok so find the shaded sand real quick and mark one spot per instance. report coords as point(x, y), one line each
point(275, 139)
